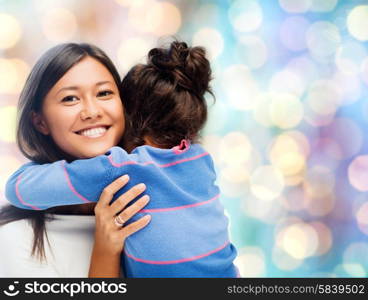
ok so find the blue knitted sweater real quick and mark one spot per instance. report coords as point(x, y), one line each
point(188, 232)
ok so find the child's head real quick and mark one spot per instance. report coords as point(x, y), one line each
point(164, 98)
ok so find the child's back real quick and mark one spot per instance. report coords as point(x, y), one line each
point(187, 235)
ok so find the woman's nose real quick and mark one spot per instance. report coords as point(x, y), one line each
point(91, 110)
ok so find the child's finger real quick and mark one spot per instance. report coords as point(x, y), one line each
point(109, 191)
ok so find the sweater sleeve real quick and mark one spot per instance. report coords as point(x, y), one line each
point(39, 187)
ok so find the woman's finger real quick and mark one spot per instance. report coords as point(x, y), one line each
point(109, 191)
point(135, 226)
point(127, 213)
point(125, 198)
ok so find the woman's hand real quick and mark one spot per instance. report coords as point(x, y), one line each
point(109, 236)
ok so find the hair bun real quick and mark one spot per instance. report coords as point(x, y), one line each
point(186, 66)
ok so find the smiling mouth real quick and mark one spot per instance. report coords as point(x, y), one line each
point(93, 132)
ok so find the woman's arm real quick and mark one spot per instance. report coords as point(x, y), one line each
point(38, 187)
point(109, 237)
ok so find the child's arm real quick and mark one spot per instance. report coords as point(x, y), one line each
point(38, 187)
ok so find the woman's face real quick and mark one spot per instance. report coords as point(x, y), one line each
point(83, 111)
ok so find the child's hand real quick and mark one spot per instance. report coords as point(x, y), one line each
point(110, 234)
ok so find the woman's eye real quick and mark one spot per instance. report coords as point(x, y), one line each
point(69, 99)
point(104, 93)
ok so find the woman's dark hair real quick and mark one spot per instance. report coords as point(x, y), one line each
point(37, 147)
point(164, 98)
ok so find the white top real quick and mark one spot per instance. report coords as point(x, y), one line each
point(71, 238)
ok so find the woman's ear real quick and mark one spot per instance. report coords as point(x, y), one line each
point(40, 124)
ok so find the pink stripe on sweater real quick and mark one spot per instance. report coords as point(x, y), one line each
point(170, 262)
point(20, 197)
point(71, 185)
point(153, 163)
point(178, 207)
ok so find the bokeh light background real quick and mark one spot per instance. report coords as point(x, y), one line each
point(288, 129)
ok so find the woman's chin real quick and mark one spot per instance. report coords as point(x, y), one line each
point(89, 151)
point(95, 153)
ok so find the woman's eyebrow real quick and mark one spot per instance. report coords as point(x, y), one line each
point(103, 82)
point(72, 88)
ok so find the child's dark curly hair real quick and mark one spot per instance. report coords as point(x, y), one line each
point(164, 98)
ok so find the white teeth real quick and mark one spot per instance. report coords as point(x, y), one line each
point(93, 132)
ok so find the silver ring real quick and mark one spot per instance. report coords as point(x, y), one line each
point(119, 221)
